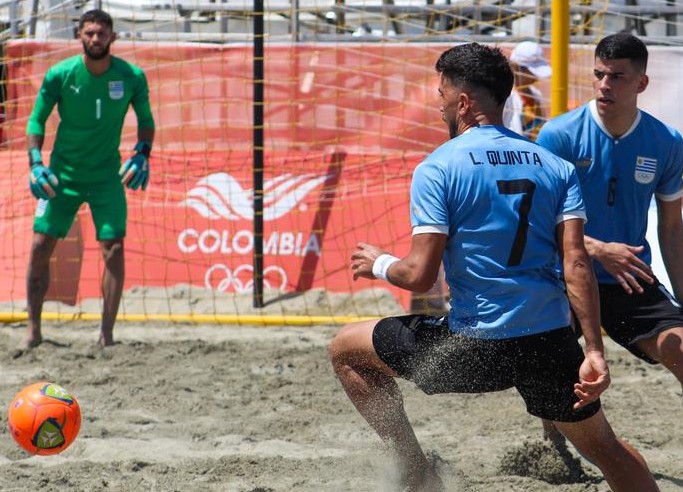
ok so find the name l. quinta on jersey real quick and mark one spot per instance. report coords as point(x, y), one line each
point(280, 243)
point(506, 158)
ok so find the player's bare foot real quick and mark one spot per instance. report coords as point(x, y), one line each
point(422, 480)
point(106, 340)
point(30, 342)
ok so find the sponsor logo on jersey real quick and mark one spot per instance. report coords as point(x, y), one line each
point(116, 89)
point(75, 88)
point(646, 169)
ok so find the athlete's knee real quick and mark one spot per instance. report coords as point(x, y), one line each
point(670, 345)
point(340, 344)
point(42, 248)
point(348, 344)
point(671, 342)
point(592, 437)
point(112, 250)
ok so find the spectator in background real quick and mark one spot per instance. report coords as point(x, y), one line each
point(523, 111)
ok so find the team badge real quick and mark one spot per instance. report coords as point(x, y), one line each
point(646, 169)
point(116, 89)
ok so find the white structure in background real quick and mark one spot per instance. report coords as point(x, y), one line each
point(313, 19)
point(657, 263)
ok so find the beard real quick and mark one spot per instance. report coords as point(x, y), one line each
point(96, 56)
point(452, 129)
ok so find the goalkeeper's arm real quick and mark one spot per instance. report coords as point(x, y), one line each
point(34, 142)
point(146, 135)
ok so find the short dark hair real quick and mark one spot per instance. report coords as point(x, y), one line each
point(476, 66)
point(98, 17)
point(623, 45)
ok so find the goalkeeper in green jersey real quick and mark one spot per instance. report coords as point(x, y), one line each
point(93, 92)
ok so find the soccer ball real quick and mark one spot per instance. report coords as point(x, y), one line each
point(44, 418)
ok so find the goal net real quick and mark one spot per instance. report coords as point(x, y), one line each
point(350, 108)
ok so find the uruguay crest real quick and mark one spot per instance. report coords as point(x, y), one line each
point(116, 89)
point(646, 169)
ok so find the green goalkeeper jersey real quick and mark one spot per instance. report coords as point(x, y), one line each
point(92, 110)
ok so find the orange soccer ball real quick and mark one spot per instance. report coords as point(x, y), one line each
point(44, 418)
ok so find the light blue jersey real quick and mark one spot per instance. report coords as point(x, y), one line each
point(499, 198)
point(618, 177)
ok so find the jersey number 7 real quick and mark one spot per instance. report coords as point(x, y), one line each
point(526, 188)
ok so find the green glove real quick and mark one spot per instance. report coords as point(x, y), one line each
point(41, 180)
point(135, 171)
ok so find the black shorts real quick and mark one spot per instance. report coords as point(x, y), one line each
point(543, 368)
point(628, 318)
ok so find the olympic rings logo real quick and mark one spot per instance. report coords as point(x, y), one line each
point(242, 278)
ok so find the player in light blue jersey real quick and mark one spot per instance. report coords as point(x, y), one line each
point(623, 157)
point(506, 178)
point(499, 211)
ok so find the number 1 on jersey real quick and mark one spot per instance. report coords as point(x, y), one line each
point(524, 187)
point(98, 108)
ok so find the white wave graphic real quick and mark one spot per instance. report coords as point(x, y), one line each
point(286, 195)
point(220, 196)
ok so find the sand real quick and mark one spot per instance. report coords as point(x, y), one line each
point(257, 409)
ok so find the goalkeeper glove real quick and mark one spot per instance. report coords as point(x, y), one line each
point(41, 180)
point(135, 171)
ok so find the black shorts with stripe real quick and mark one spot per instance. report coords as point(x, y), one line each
point(628, 318)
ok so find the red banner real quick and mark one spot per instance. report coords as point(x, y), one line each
point(358, 96)
point(345, 126)
point(196, 227)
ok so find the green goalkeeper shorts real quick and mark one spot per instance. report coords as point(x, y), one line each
point(107, 202)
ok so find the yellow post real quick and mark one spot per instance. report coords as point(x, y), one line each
point(559, 56)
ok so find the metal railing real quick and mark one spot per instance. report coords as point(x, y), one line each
point(350, 20)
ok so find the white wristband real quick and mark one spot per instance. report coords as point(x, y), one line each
point(381, 265)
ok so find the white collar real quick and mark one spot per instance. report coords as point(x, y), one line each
point(593, 106)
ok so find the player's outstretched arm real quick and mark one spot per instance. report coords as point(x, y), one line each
point(582, 291)
point(417, 272)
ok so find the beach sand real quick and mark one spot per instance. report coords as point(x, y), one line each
point(175, 407)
